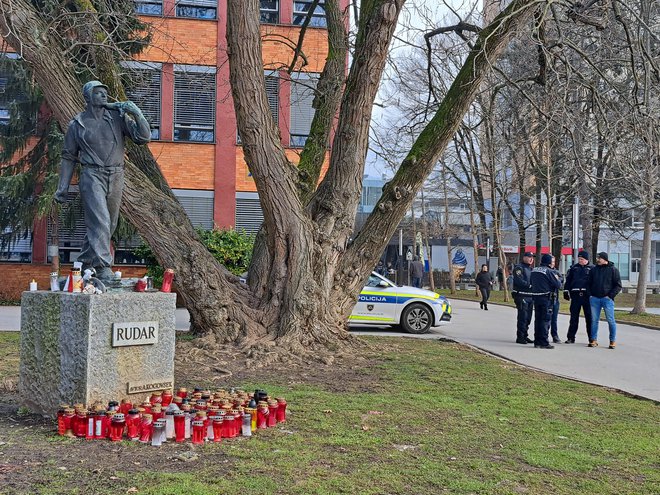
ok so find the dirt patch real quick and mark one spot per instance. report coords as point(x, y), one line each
point(33, 456)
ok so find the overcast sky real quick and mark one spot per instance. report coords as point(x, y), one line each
point(418, 17)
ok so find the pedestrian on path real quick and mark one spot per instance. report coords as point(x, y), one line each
point(484, 281)
point(575, 290)
point(545, 284)
point(417, 272)
point(522, 296)
point(604, 284)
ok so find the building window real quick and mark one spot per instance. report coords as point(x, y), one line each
point(273, 96)
point(302, 7)
point(17, 249)
point(198, 205)
point(71, 227)
point(269, 11)
point(249, 215)
point(149, 7)
point(303, 87)
point(622, 262)
point(143, 86)
point(194, 103)
point(10, 93)
point(198, 9)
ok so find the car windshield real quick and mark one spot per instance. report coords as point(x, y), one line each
point(375, 279)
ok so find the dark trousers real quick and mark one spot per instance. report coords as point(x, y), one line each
point(485, 294)
point(542, 318)
point(579, 302)
point(524, 318)
point(553, 321)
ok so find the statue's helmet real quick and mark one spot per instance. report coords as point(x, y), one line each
point(89, 87)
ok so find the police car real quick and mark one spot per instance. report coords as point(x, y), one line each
point(382, 302)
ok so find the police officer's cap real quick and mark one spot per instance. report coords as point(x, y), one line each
point(529, 254)
point(89, 86)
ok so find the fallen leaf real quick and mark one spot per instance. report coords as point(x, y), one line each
point(62, 468)
point(376, 412)
point(132, 489)
point(365, 427)
point(114, 477)
point(327, 411)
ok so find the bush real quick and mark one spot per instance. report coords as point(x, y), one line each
point(231, 248)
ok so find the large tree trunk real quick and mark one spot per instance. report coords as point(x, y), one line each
point(314, 274)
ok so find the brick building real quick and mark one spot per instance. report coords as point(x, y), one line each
point(181, 82)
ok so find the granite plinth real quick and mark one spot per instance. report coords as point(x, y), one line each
point(67, 354)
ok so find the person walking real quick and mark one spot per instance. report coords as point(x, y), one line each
point(575, 290)
point(545, 285)
point(417, 272)
point(603, 285)
point(500, 278)
point(484, 281)
point(380, 268)
point(555, 305)
point(522, 296)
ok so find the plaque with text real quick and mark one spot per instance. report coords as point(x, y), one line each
point(141, 387)
point(134, 333)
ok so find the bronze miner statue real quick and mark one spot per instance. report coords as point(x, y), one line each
point(95, 139)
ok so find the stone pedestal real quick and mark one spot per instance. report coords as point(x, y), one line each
point(80, 348)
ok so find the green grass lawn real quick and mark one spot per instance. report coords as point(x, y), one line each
point(424, 417)
point(622, 301)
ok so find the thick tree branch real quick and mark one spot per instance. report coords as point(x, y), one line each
point(326, 102)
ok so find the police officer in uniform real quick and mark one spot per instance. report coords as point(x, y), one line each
point(545, 284)
point(575, 290)
point(522, 296)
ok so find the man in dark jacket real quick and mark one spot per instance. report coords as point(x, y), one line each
point(545, 284)
point(575, 290)
point(522, 296)
point(417, 272)
point(603, 284)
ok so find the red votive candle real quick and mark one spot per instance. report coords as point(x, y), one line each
point(179, 426)
point(198, 432)
point(281, 410)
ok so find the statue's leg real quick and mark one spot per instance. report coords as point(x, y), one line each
point(115, 190)
point(93, 192)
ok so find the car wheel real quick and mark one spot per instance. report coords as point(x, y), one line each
point(416, 318)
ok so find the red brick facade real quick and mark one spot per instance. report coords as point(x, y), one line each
point(17, 277)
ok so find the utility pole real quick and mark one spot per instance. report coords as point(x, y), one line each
point(576, 228)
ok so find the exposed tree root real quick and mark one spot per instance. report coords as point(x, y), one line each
point(210, 358)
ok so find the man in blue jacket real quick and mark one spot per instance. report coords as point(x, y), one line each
point(604, 284)
point(545, 284)
point(575, 290)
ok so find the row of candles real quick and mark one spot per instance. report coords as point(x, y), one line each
point(200, 417)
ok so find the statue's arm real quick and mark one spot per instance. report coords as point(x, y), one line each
point(67, 166)
point(137, 126)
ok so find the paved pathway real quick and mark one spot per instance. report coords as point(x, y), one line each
point(633, 367)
